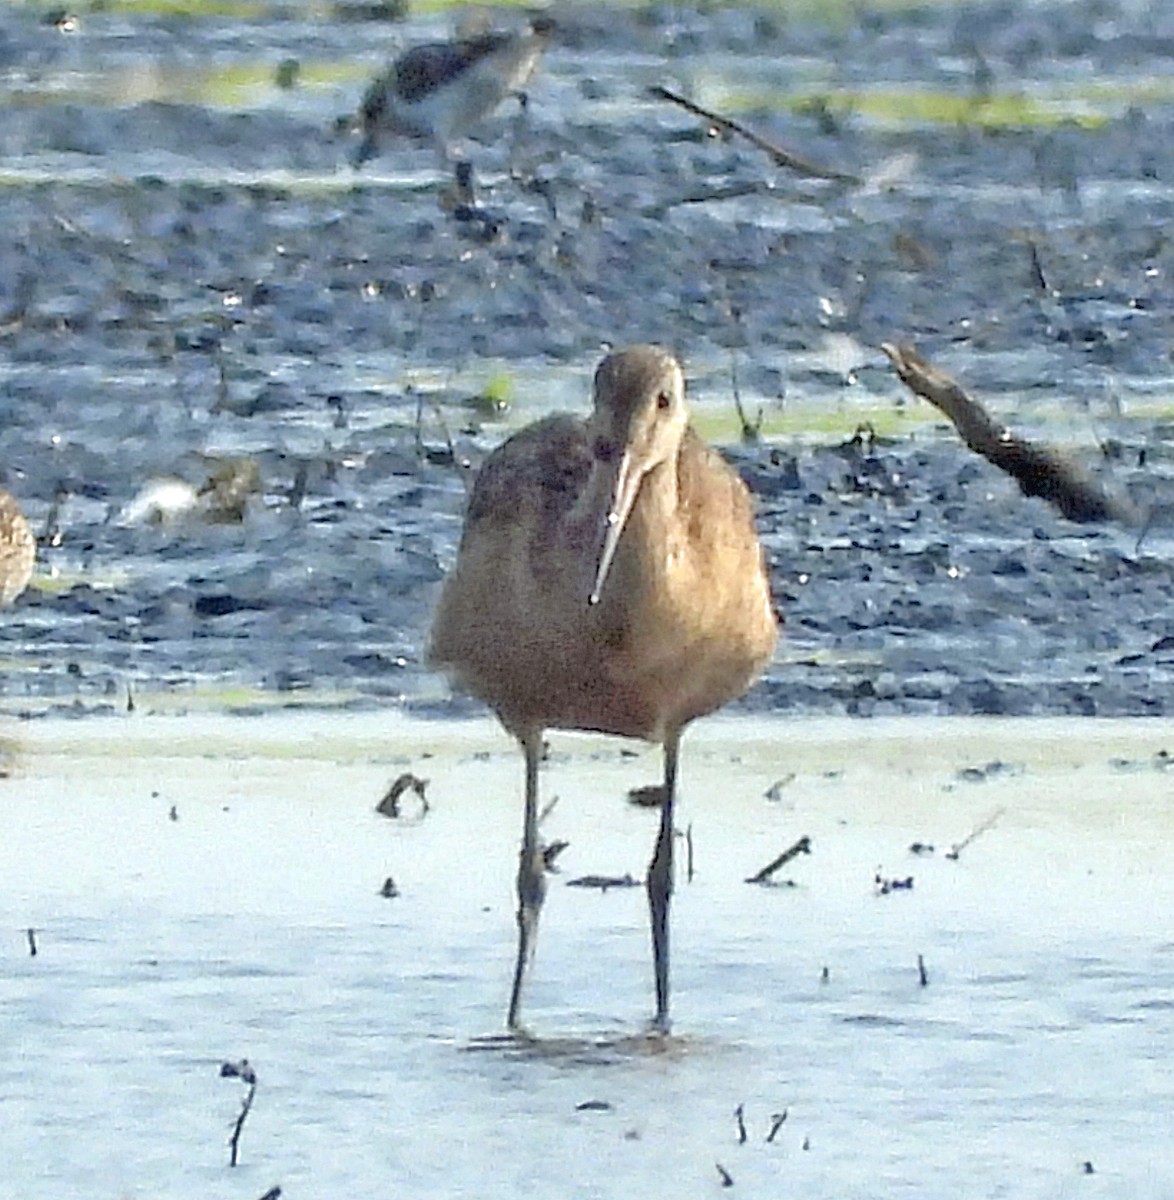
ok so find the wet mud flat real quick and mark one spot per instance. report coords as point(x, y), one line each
point(960, 990)
point(191, 275)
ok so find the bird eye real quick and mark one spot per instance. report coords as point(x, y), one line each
point(663, 400)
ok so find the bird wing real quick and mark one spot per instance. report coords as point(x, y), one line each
point(544, 466)
point(424, 68)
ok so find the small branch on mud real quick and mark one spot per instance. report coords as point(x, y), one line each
point(440, 458)
point(244, 1072)
point(705, 195)
point(987, 823)
point(751, 430)
point(389, 806)
point(1039, 470)
point(776, 1123)
point(1037, 269)
point(32, 935)
point(922, 973)
point(802, 846)
point(779, 156)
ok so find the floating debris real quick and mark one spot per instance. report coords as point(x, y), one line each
point(775, 791)
point(245, 1073)
point(603, 882)
point(802, 846)
point(985, 825)
point(389, 805)
point(991, 770)
point(649, 795)
point(885, 886)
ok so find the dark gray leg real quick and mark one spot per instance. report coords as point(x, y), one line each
point(531, 877)
point(660, 884)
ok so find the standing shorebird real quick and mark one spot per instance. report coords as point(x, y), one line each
point(609, 578)
point(441, 90)
point(18, 550)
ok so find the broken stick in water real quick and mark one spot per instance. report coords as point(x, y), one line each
point(987, 823)
point(389, 806)
point(802, 846)
point(244, 1072)
point(1039, 470)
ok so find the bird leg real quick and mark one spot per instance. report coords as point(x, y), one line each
point(531, 876)
point(660, 884)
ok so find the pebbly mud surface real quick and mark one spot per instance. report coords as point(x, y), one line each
point(195, 285)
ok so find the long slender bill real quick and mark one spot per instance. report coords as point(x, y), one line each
point(623, 496)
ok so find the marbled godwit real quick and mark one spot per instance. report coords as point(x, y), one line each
point(609, 578)
point(18, 550)
point(441, 90)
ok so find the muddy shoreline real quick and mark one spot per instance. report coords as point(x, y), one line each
point(191, 274)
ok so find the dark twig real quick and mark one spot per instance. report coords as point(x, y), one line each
point(1039, 470)
point(802, 846)
point(885, 886)
point(776, 1123)
point(689, 852)
point(775, 791)
point(726, 1178)
point(647, 795)
point(389, 806)
point(986, 824)
point(550, 853)
point(740, 1117)
point(603, 882)
point(32, 935)
point(779, 156)
point(922, 973)
point(1037, 269)
point(243, 1071)
point(751, 430)
point(443, 458)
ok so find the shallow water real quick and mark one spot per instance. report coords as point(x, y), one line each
point(250, 926)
